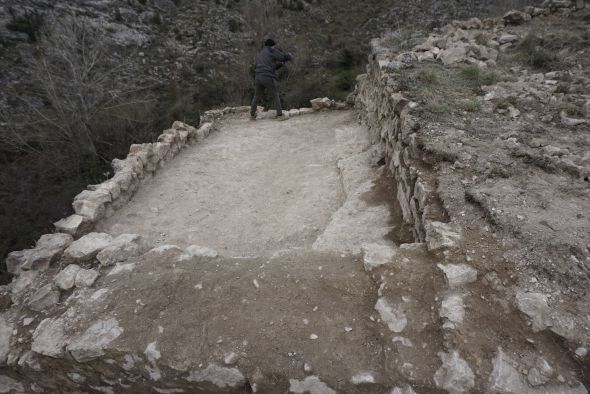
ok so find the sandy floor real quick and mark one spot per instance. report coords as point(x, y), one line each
point(251, 187)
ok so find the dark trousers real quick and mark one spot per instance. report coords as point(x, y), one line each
point(270, 84)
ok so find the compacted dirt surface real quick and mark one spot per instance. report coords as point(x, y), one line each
point(251, 188)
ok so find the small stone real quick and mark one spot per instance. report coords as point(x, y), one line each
point(86, 278)
point(313, 336)
point(455, 376)
point(571, 122)
point(375, 255)
point(348, 329)
point(535, 306)
point(581, 352)
point(230, 358)
point(516, 17)
point(404, 390)
point(76, 377)
point(6, 330)
point(66, 278)
point(44, 298)
point(362, 378)
point(452, 309)
point(220, 376)
point(311, 384)
point(9, 385)
point(307, 367)
point(199, 251)
point(508, 38)
point(458, 274)
point(394, 318)
point(27, 321)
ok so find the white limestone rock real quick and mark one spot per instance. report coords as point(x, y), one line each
point(57, 241)
point(515, 17)
point(66, 278)
point(571, 122)
point(375, 255)
point(87, 247)
point(506, 378)
point(120, 268)
point(86, 278)
point(9, 385)
point(394, 318)
point(75, 225)
point(121, 249)
point(321, 103)
point(44, 298)
point(452, 309)
point(311, 385)
point(94, 340)
point(454, 375)
point(219, 376)
point(402, 390)
point(5, 337)
point(441, 235)
point(230, 358)
point(23, 282)
point(49, 338)
point(458, 274)
point(197, 251)
point(534, 305)
point(362, 378)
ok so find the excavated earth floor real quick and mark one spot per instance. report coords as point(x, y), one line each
point(254, 188)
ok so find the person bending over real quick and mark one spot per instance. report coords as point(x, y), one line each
point(268, 61)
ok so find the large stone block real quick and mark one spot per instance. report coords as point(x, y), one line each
point(75, 225)
point(442, 235)
point(121, 249)
point(87, 247)
point(44, 298)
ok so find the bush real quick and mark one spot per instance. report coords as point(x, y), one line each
point(427, 76)
point(234, 26)
point(537, 53)
point(29, 23)
point(479, 76)
point(471, 106)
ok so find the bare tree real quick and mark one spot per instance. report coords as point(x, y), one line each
point(78, 80)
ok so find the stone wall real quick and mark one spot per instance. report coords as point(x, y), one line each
point(386, 113)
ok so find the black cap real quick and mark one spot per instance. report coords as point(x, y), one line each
point(269, 43)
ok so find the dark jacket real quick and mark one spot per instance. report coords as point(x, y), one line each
point(269, 60)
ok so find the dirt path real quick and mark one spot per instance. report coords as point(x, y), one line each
point(252, 187)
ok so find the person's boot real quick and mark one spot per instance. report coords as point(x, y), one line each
point(283, 116)
point(252, 117)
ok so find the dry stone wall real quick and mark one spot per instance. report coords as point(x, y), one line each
point(387, 115)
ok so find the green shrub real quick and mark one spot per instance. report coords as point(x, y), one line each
point(478, 76)
point(427, 76)
point(482, 39)
point(234, 26)
point(471, 106)
point(157, 19)
point(537, 52)
point(28, 23)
